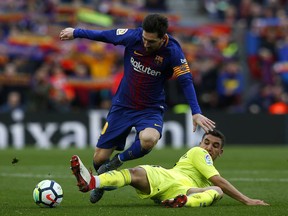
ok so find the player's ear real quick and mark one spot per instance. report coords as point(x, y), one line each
point(220, 152)
point(164, 37)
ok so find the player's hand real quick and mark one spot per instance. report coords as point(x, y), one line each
point(256, 202)
point(204, 122)
point(67, 34)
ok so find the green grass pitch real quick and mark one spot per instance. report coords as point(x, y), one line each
point(257, 171)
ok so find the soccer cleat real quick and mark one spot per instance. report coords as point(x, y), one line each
point(96, 195)
point(178, 202)
point(85, 179)
point(111, 165)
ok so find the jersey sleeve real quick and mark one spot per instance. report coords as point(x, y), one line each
point(203, 162)
point(114, 36)
point(181, 71)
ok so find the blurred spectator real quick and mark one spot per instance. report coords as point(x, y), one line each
point(13, 103)
point(252, 45)
point(281, 66)
point(261, 99)
point(230, 86)
point(61, 94)
point(12, 80)
point(40, 88)
point(216, 8)
point(266, 61)
point(230, 15)
point(268, 98)
point(207, 88)
point(81, 99)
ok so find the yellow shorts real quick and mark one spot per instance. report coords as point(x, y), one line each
point(165, 183)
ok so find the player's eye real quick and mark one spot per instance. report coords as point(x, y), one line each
point(149, 41)
point(206, 142)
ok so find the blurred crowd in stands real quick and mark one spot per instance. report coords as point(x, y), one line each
point(238, 58)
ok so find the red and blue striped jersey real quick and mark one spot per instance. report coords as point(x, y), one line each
point(142, 85)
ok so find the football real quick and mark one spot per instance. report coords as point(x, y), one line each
point(48, 193)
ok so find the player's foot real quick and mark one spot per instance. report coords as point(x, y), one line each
point(85, 179)
point(111, 165)
point(96, 195)
point(178, 202)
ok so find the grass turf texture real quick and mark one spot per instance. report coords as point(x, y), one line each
point(259, 172)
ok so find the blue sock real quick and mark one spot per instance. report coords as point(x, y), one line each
point(133, 152)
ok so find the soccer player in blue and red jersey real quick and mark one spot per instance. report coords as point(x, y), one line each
point(151, 58)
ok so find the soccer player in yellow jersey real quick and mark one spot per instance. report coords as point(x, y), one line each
point(192, 182)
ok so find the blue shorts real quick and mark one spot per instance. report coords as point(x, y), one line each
point(121, 120)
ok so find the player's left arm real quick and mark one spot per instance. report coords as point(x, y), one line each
point(182, 72)
point(231, 191)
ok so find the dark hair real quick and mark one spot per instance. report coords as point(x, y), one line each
point(218, 134)
point(155, 23)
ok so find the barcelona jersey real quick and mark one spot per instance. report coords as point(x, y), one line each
point(145, 74)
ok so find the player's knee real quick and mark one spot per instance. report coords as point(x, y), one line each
point(219, 190)
point(149, 138)
point(148, 143)
point(137, 173)
point(139, 179)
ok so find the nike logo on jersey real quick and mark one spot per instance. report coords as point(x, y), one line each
point(136, 53)
point(157, 125)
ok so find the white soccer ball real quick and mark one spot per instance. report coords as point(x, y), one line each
point(48, 193)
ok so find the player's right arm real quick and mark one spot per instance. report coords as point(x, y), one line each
point(67, 34)
point(231, 191)
point(114, 36)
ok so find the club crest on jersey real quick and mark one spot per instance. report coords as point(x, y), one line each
point(158, 60)
point(208, 159)
point(121, 31)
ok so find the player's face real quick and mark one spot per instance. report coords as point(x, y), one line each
point(151, 41)
point(212, 144)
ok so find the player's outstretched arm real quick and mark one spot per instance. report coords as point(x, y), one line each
point(231, 191)
point(204, 122)
point(67, 34)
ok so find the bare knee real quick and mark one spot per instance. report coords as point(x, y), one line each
point(137, 174)
point(139, 179)
point(149, 138)
point(218, 189)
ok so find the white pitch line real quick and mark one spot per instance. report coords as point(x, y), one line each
point(30, 175)
point(259, 179)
